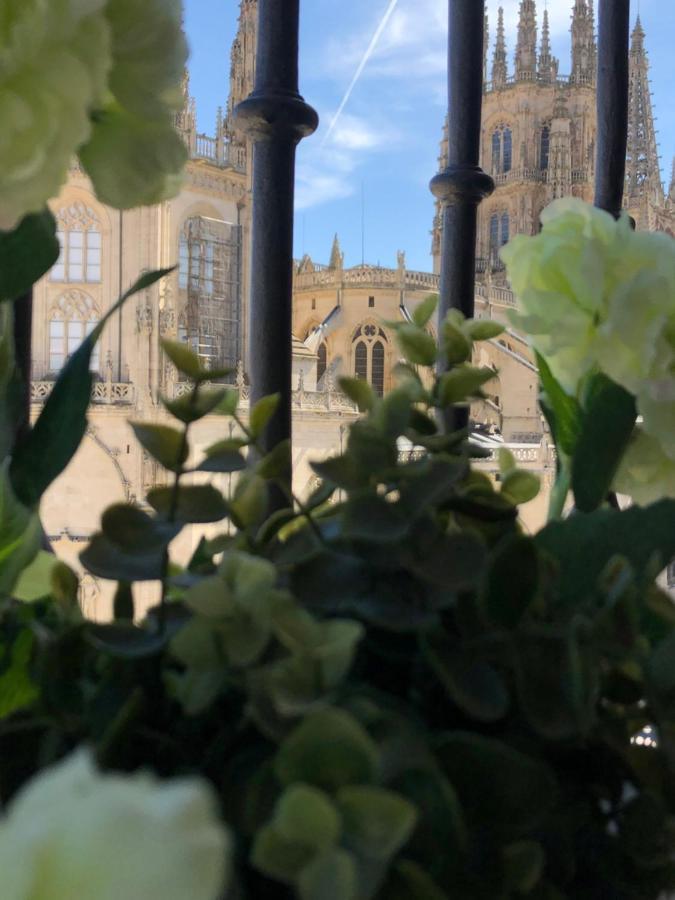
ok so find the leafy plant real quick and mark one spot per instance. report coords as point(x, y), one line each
point(395, 691)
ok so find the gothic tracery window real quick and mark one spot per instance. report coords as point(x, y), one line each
point(502, 150)
point(79, 235)
point(545, 147)
point(72, 318)
point(370, 355)
point(500, 234)
point(322, 362)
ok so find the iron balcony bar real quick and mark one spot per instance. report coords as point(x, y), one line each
point(613, 86)
point(276, 118)
point(463, 184)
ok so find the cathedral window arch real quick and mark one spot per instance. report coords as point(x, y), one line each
point(544, 147)
point(79, 236)
point(500, 233)
point(369, 351)
point(72, 318)
point(322, 361)
point(502, 150)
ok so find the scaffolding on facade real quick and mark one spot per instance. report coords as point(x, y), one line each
point(213, 313)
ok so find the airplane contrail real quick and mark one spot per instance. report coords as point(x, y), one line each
point(359, 71)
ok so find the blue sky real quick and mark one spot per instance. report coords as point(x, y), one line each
point(386, 142)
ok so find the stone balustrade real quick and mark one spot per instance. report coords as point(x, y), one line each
point(103, 393)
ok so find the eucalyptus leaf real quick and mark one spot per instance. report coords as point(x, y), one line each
point(167, 445)
point(193, 407)
point(417, 345)
point(183, 358)
point(331, 876)
point(262, 412)
point(462, 382)
point(424, 312)
point(358, 391)
point(193, 504)
point(41, 456)
point(27, 253)
point(376, 822)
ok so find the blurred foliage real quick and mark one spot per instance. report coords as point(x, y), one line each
point(397, 692)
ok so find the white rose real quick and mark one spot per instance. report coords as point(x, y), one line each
point(74, 833)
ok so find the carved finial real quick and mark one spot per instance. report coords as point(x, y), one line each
point(336, 256)
point(548, 65)
point(301, 381)
point(526, 50)
point(584, 49)
point(499, 62)
point(486, 44)
point(671, 192)
point(643, 175)
point(240, 380)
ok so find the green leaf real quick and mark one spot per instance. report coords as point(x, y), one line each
point(167, 445)
point(584, 545)
point(520, 487)
point(196, 504)
point(564, 411)
point(305, 825)
point(607, 426)
point(26, 254)
point(409, 881)
point(262, 412)
point(501, 790)
point(484, 329)
point(17, 689)
point(307, 815)
point(230, 402)
point(557, 680)
point(278, 463)
point(20, 534)
point(370, 517)
point(512, 582)
point(340, 471)
point(184, 359)
point(376, 822)
point(133, 531)
point(35, 582)
point(106, 560)
point(423, 314)
point(417, 346)
point(523, 864)
point(457, 348)
point(331, 876)
point(472, 683)
point(225, 457)
point(249, 505)
point(462, 382)
point(41, 456)
point(189, 408)
point(359, 392)
point(329, 750)
point(123, 604)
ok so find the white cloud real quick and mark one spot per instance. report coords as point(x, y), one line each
point(327, 171)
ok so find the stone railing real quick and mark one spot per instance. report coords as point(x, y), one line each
point(103, 393)
point(497, 295)
point(535, 457)
point(366, 276)
point(540, 79)
point(216, 151)
point(520, 175)
point(302, 400)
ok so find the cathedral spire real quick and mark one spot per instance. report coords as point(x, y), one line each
point(671, 192)
point(242, 60)
point(643, 178)
point(548, 64)
point(185, 120)
point(336, 255)
point(499, 62)
point(584, 50)
point(526, 49)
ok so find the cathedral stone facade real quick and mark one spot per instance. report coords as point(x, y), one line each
point(539, 132)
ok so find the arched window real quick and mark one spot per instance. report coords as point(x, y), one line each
point(378, 368)
point(79, 234)
point(507, 153)
point(502, 150)
point(72, 318)
point(183, 262)
point(370, 355)
point(497, 152)
point(500, 234)
point(361, 361)
point(544, 150)
point(322, 362)
point(505, 229)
